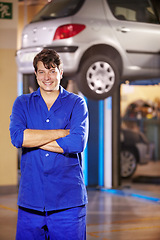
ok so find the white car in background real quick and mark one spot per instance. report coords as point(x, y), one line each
point(101, 42)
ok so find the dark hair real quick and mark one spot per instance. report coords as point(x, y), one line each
point(49, 57)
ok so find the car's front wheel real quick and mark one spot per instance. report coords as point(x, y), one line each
point(98, 77)
point(128, 162)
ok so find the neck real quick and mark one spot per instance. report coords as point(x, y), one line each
point(49, 97)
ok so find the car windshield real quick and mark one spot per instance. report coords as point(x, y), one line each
point(58, 9)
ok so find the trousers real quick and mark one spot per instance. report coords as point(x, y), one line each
point(67, 224)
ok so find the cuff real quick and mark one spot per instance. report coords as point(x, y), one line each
point(61, 143)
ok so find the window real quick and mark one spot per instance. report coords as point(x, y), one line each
point(134, 10)
point(58, 9)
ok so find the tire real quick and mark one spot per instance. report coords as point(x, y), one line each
point(98, 77)
point(128, 162)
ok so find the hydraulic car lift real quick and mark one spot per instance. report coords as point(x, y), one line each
point(102, 155)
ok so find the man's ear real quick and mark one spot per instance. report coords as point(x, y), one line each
point(61, 73)
point(35, 73)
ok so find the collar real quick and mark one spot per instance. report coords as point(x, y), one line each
point(62, 92)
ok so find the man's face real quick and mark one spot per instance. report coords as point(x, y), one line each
point(48, 79)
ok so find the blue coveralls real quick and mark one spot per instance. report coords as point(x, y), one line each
point(52, 190)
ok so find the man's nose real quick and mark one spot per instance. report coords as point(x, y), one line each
point(47, 75)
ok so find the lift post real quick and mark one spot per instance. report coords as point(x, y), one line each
point(112, 140)
point(116, 124)
point(103, 151)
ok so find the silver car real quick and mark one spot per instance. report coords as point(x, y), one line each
point(101, 42)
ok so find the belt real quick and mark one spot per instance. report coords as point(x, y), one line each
point(44, 213)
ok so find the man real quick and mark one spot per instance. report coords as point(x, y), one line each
point(51, 126)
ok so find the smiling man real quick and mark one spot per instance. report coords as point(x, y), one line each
point(51, 126)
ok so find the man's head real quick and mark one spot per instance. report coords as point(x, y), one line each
point(49, 57)
point(48, 70)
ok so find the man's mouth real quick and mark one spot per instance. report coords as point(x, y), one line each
point(47, 83)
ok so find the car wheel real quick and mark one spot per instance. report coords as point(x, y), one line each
point(98, 77)
point(128, 163)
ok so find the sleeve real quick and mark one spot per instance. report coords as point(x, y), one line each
point(17, 123)
point(76, 141)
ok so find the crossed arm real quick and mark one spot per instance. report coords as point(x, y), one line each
point(44, 139)
point(55, 140)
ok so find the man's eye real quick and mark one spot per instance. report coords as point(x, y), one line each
point(52, 71)
point(41, 72)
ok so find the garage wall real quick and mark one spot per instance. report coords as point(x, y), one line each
point(8, 92)
point(10, 40)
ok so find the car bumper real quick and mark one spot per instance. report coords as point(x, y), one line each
point(146, 152)
point(69, 55)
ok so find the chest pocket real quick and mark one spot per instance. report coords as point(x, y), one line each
point(61, 117)
point(59, 120)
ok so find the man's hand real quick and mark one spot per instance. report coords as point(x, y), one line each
point(52, 147)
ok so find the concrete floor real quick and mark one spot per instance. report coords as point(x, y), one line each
point(111, 215)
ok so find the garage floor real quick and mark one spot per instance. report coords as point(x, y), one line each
point(130, 213)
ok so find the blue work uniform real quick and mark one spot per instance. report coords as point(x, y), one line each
point(51, 181)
